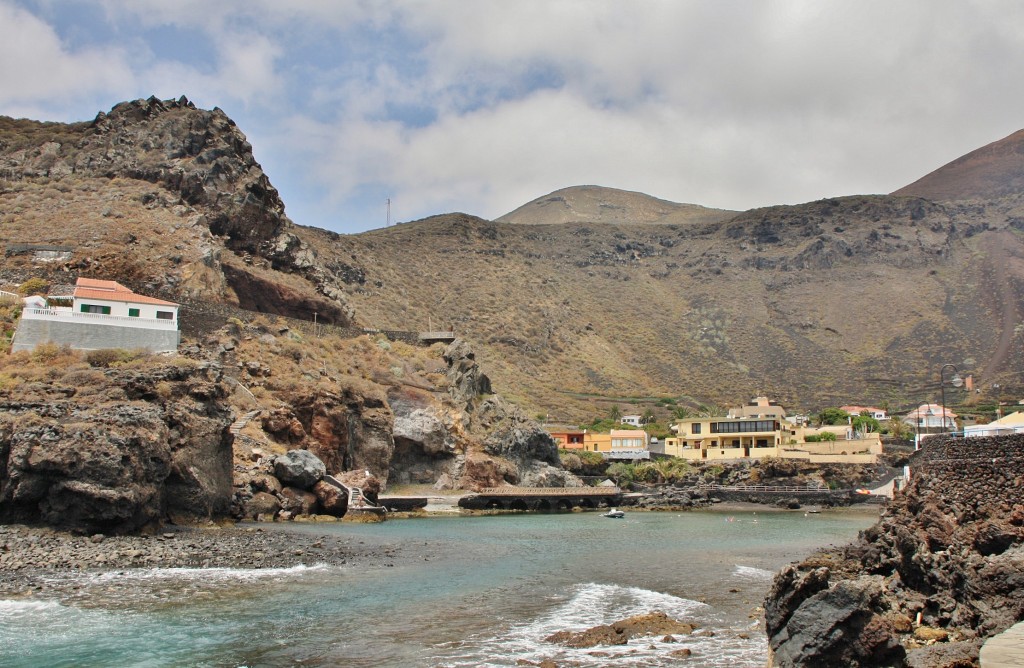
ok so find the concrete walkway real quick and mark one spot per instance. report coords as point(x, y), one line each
point(1005, 650)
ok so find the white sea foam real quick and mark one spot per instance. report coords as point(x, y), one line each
point(10, 608)
point(594, 604)
point(205, 574)
point(751, 573)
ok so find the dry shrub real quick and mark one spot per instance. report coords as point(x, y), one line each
point(53, 354)
point(34, 286)
point(106, 357)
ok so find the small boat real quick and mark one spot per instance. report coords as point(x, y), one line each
point(612, 512)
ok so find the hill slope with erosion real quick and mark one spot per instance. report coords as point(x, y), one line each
point(857, 299)
point(848, 300)
point(993, 171)
point(596, 204)
point(168, 199)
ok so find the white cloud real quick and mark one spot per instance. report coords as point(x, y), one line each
point(481, 106)
point(37, 71)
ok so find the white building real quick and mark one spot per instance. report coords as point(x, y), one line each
point(1008, 424)
point(630, 419)
point(103, 314)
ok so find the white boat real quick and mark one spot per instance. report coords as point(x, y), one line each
point(612, 512)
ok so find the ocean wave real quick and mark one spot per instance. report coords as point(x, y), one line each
point(205, 574)
point(751, 573)
point(21, 607)
point(593, 604)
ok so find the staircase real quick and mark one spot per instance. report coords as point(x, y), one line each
point(239, 424)
point(358, 505)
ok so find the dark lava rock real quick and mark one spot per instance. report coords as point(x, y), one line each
point(299, 468)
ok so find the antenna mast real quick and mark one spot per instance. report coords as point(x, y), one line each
point(389, 212)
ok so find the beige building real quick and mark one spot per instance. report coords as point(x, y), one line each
point(759, 407)
point(738, 438)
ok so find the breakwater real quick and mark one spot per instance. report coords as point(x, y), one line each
point(937, 575)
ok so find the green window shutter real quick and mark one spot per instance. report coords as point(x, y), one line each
point(133, 313)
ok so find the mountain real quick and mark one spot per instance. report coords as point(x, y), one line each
point(595, 204)
point(988, 173)
point(584, 299)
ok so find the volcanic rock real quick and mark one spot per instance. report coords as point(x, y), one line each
point(299, 468)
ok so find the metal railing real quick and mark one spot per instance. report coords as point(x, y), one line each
point(550, 491)
point(766, 488)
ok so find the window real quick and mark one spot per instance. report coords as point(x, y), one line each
point(95, 308)
point(133, 313)
point(165, 315)
point(696, 428)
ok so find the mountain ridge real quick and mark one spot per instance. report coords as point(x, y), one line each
point(856, 299)
point(600, 204)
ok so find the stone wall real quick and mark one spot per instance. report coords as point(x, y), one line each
point(80, 336)
point(979, 476)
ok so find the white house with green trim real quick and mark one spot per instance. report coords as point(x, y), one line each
point(103, 314)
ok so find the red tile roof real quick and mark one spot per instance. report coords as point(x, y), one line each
point(92, 288)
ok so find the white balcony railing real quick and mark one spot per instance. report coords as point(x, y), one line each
point(68, 315)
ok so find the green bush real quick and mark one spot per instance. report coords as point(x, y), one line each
point(34, 286)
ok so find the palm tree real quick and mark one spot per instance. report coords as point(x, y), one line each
point(615, 413)
point(711, 410)
point(681, 412)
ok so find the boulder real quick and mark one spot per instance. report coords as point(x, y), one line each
point(298, 501)
point(333, 501)
point(261, 503)
point(837, 626)
point(299, 468)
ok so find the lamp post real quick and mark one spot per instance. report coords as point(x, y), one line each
point(955, 381)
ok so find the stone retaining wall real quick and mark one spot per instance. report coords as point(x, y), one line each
point(86, 336)
point(978, 475)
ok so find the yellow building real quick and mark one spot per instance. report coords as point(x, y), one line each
point(619, 441)
point(596, 442)
point(756, 438)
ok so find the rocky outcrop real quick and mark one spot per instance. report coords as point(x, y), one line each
point(466, 381)
point(206, 170)
point(516, 450)
point(299, 468)
point(128, 450)
point(656, 623)
point(925, 586)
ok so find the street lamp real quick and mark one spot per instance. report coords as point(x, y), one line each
point(955, 381)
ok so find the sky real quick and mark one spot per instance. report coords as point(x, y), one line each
point(480, 106)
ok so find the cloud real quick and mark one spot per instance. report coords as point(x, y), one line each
point(38, 72)
point(480, 106)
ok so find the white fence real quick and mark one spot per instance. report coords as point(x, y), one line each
point(68, 315)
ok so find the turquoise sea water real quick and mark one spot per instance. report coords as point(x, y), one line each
point(481, 591)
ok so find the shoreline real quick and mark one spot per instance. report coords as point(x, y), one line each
point(28, 555)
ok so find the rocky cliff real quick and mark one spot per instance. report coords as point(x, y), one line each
point(246, 424)
point(163, 196)
point(940, 572)
point(116, 450)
